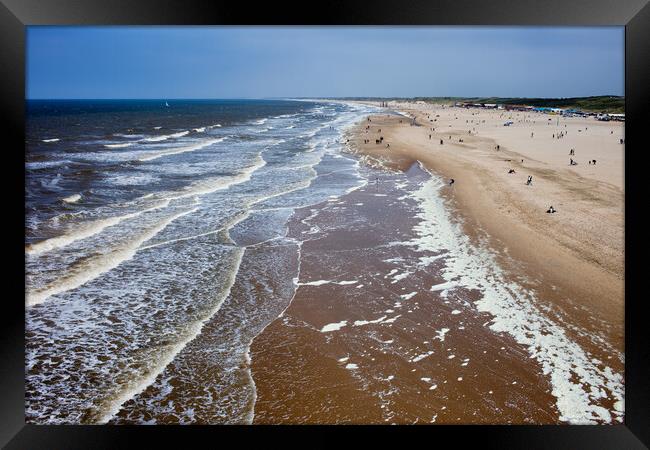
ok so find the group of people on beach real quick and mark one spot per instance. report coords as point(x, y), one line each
point(529, 179)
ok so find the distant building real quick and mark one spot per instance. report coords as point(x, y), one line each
point(608, 117)
point(518, 108)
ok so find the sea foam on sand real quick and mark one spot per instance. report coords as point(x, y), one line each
point(578, 383)
point(334, 326)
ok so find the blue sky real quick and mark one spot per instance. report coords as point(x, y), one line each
point(262, 62)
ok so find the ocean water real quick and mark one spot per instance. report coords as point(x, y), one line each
point(143, 223)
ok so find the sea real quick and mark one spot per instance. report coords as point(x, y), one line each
point(139, 216)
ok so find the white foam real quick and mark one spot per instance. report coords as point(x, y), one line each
point(35, 165)
point(137, 179)
point(84, 231)
point(94, 267)
point(164, 137)
point(315, 283)
point(351, 366)
point(178, 150)
point(443, 286)
point(454, 312)
point(427, 260)
point(422, 356)
point(72, 199)
point(392, 319)
point(125, 144)
point(51, 140)
point(217, 184)
point(137, 386)
point(186, 238)
point(358, 323)
point(322, 282)
point(440, 334)
point(400, 276)
point(391, 273)
point(334, 326)
point(408, 296)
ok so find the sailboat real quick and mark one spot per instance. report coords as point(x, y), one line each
point(166, 104)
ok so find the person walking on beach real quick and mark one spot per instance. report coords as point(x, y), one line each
point(451, 181)
point(529, 181)
point(441, 141)
point(429, 137)
point(551, 210)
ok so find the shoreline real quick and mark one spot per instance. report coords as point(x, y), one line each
point(378, 331)
point(492, 209)
point(337, 355)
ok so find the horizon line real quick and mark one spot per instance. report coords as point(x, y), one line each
point(316, 97)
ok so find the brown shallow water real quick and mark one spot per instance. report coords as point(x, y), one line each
point(405, 354)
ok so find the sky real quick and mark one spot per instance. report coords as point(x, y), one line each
point(270, 62)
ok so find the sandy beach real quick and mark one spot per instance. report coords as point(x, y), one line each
point(375, 335)
point(576, 253)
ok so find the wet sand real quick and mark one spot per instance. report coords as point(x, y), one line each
point(415, 361)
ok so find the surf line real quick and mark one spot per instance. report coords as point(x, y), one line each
point(103, 264)
point(115, 405)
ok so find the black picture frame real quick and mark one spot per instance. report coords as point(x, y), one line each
point(15, 15)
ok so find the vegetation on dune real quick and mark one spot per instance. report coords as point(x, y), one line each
point(602, 103)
